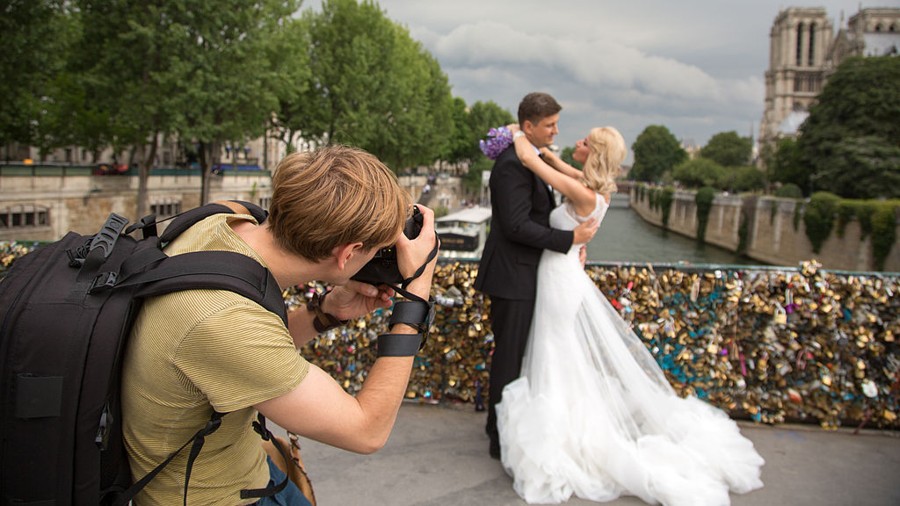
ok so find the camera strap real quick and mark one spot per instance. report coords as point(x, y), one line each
point(403, 284)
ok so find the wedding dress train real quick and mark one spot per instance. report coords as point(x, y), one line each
point(592, 414)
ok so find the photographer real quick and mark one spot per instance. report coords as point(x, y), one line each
point(196, 351)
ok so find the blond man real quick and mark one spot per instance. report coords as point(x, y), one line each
point(196, 351)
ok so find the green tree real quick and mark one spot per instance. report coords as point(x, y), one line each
point(196, 69)
point(233, 83)
point(698, 173)
point(742, 179)
point(863, 167)
point(656, 151)
point(786, 167)
point(459, 146)
point(482, 117)
point(728, 149)
point(290, 80)
point(856, 118)
point(37, 35)
point(476, 121)
point(133, 62)
point(373, 86)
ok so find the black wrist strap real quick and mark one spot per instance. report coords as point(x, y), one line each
point(398, 345)
point(411, 312)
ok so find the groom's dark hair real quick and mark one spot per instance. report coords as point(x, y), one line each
point(537, 106)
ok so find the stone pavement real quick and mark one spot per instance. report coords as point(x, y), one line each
point(437, 455)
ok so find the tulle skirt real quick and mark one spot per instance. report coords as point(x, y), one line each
point(592, 414)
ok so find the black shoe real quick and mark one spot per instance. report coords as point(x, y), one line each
point(495, 450)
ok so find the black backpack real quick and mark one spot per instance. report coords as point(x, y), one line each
point(66, 312)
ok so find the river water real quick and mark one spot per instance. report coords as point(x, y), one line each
point(625, 237)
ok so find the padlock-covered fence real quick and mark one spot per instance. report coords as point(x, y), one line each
point(769, 344)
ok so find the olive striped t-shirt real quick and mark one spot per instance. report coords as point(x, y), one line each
point(195, 351)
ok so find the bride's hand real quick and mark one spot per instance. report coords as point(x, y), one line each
point(551, 158)
point(513, 127)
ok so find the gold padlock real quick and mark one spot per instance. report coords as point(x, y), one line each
point(780, 317)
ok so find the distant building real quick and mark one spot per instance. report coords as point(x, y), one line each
point(691, 148)
point(804, 51)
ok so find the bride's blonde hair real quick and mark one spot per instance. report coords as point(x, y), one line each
point(607, 152)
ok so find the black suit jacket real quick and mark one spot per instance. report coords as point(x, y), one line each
point(520, 230)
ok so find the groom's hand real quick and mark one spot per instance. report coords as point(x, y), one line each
point(584, 232)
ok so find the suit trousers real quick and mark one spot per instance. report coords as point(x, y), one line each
point(511, 323)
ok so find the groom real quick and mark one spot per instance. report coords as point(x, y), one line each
point(520, 230)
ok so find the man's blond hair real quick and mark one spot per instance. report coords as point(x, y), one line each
point(333, 196)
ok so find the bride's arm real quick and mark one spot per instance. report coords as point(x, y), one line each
point(581, 196)
point(560, 164)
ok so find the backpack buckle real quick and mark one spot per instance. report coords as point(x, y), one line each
point(103, 281)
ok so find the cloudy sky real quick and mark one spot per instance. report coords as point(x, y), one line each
point(694, 66)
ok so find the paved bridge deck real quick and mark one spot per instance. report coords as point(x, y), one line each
point(437, 455)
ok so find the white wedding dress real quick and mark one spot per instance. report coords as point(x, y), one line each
point(593, 415)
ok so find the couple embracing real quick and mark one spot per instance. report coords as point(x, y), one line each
point(578, 405)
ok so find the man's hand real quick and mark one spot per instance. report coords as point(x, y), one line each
point(413, 253)
point(585, 231)
point(355, 299)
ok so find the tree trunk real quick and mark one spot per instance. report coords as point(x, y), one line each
point(209, 156)
point(144, 166)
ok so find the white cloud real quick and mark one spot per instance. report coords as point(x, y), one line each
point(696, 67)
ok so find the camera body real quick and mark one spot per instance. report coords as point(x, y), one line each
point(383, 268)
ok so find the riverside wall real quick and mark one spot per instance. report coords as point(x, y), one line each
point(774, 233)
point(82, 203)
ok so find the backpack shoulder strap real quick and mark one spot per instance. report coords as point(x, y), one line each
point(189, 218)
point(215, 270)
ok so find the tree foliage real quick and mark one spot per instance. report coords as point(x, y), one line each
point(232, 91)
point(459, 146)
point(656, 151)
point(36, 35)
point(862, 167)
point(290, 81)
point(373, 86)
point(742, 179)
point(851, 139)
point(786, 167)
point(481, 117)
point(698, 173)
point(196, 69)
point(728, 149)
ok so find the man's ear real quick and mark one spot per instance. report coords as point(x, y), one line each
point(527, 126)
point(345, 252)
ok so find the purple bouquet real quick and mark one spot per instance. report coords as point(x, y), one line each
point(498, 139)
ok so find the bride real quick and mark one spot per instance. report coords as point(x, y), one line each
point(592, 413)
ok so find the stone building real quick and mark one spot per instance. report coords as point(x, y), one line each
point(798, 43)
point(804, 50)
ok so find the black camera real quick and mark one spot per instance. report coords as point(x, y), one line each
point(383, 268)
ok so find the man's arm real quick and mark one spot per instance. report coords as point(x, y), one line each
point(318, 408)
